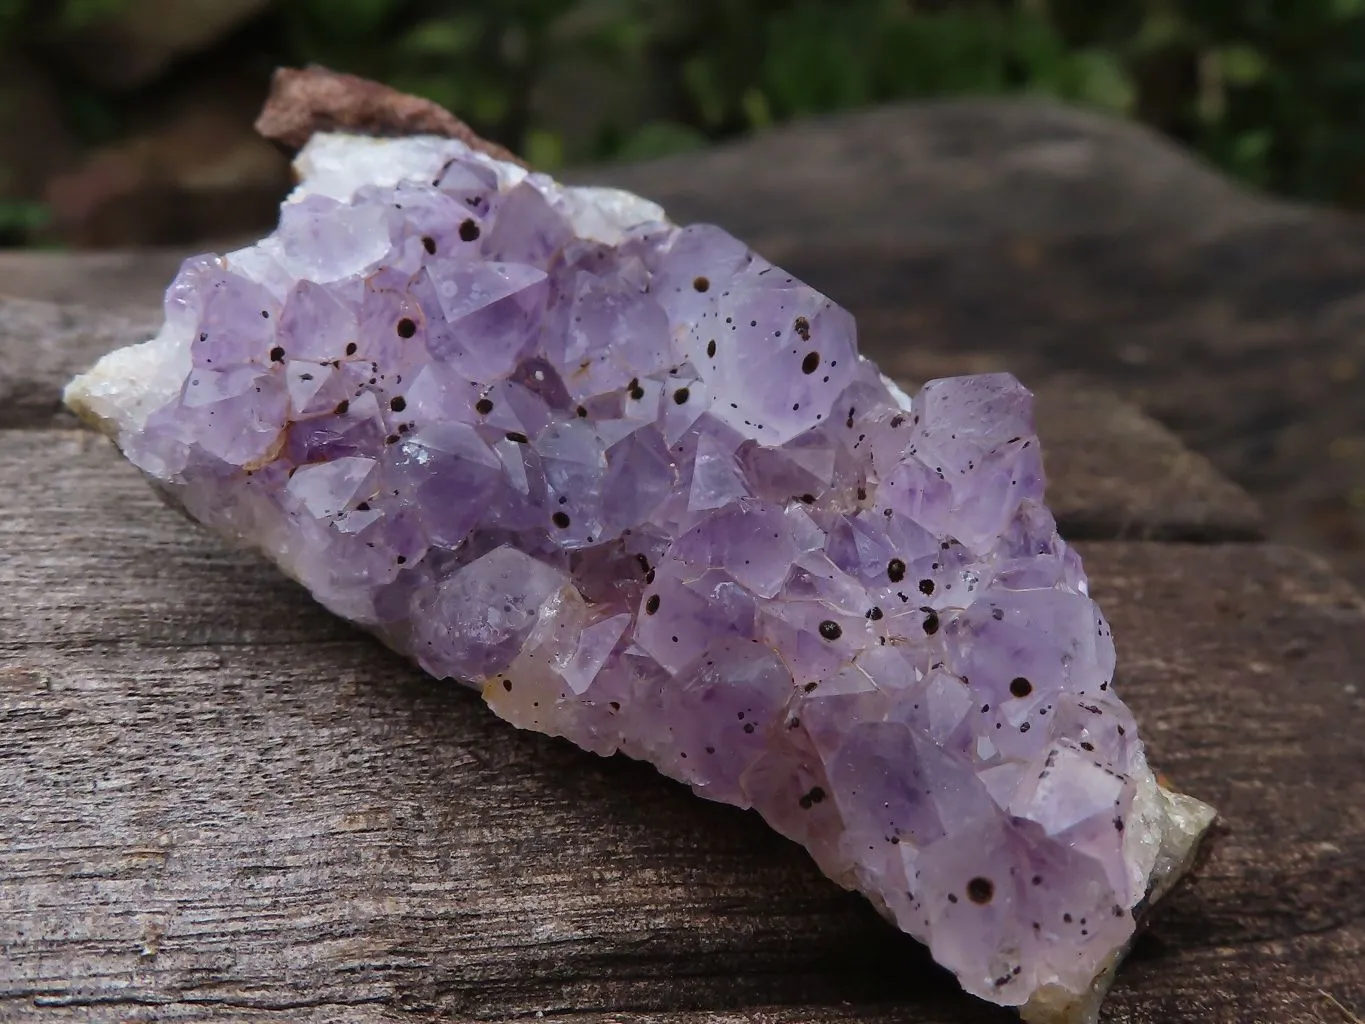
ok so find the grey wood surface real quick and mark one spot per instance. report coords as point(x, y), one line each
point(218, 800)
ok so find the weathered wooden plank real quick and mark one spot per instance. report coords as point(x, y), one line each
point(109, 280)
point(1114, 472)
point(42, 344)
point(216, 800)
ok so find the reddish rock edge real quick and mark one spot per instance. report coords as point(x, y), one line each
point(315, 99)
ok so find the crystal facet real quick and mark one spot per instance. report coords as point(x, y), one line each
point(636, 484)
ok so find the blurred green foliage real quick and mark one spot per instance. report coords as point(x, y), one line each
point(1271, 90)
point(695, 70)
point(22, 18)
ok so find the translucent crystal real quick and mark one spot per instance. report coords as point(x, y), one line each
point(636, 484)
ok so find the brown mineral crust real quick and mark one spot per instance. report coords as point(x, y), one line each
point(305, 101)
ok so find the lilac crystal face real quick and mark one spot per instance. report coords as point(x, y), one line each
point(636, 484)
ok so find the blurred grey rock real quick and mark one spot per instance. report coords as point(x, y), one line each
point(133, 45)
point(199, 171)
point(30, 111)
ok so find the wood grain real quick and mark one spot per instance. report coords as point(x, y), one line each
point(43, 344)
point(218, 802)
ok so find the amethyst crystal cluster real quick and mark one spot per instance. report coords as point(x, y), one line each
point(636, 484)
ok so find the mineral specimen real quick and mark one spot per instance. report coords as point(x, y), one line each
point(636, 485)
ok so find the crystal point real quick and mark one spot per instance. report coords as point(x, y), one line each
point(636, 484)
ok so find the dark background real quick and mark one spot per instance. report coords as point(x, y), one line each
point(128, 121)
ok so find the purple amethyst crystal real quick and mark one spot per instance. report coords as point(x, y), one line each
point(636, 484)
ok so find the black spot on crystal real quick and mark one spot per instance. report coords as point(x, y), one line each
point(980, 890)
